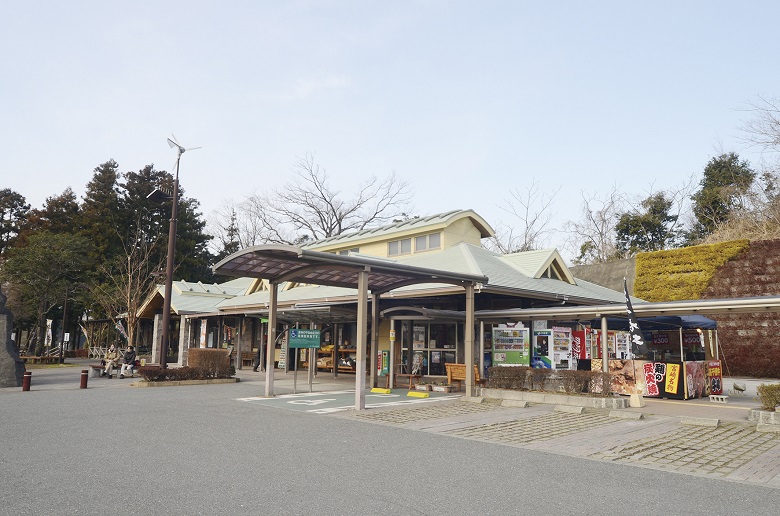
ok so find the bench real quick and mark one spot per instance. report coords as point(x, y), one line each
point(457, 373)
point(95, 370)
point(248, 358)
point(412, 378)
point(46, 359)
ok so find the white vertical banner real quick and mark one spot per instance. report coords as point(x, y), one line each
point(48, 332)
point(203, 327)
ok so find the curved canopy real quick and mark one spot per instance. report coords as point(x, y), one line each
point(419, 313)
point(279, 263)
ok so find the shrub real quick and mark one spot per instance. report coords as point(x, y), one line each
point(158, 374)
point(539, 378)
point(152, 373)
point(514, 378)
point(547, 380)
point(769, 395)
point(575, 382)
point(211, 363)
point(684, 273)
point(599, 383)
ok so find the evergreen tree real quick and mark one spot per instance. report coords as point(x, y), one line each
point(725, 182)
point(192, 259)
point(13, 212)
point(60, 214)
point(44, 270)
point(102, 221)
point(652, 229)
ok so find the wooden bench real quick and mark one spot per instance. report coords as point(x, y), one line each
point(457, 373)
point(95, 370)
point(248, 358)
point(45, 359)
point(412, 378)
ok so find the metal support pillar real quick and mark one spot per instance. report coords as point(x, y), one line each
point(469, 340)
point(273, 289)
point(604, 350)
point(391, 383)
point(362, 330)
point(374, 359)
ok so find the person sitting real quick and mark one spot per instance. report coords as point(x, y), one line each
point(129, 362)
point(111, 359)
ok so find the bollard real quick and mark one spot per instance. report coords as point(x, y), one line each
point(84, 376)
point(26, 380)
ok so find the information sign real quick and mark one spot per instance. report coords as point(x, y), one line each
point(304, 338)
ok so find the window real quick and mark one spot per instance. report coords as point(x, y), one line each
point(427, 242)
point(399, 247)
point(347, 251)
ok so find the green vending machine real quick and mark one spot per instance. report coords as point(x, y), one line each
point(511, 347)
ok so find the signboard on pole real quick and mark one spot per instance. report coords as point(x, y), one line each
point(304, 338)
point(383, 363)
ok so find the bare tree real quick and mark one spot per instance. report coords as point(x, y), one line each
point(309, 208)
point(763, 130)
point(233, 227)
point(127, 281)
point(593, 236)
point(532, 209)
point(758, 214)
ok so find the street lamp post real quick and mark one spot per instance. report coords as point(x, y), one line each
point(166, 320)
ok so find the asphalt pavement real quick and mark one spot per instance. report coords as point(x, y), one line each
point(224, 448)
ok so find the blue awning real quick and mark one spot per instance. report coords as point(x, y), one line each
point(664, 322)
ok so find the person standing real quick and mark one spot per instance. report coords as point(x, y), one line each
point(129, 360)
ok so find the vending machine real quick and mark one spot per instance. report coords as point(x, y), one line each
point(561, 349)
point(511, 347)
point(542, 349)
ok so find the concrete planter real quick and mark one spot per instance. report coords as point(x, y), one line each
point(764, 417)
point(556, 399)
point(442, 388)
point(144, 383)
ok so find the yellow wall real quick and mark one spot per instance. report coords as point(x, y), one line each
point(462, 230)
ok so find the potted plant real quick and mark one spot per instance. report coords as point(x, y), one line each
point(442, 387)
point(422, 386)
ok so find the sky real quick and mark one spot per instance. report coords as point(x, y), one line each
point(466, 101)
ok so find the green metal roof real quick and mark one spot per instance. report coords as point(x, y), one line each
point(383, 232)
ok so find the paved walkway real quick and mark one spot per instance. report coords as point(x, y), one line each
point(732, 451)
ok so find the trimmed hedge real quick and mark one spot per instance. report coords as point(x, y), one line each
point(169, 374)
point(211, 363)
point(682, 274)
point(524, 378)
point(205, 363)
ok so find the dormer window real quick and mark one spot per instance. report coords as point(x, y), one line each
point(399, 247)
point(427, 242)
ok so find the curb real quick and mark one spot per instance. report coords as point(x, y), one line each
point(514, 403)
point(569, 409)
point(700, 421)
point(176, 383)
point(622, 414)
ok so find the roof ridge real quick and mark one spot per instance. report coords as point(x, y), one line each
point(400, 225)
